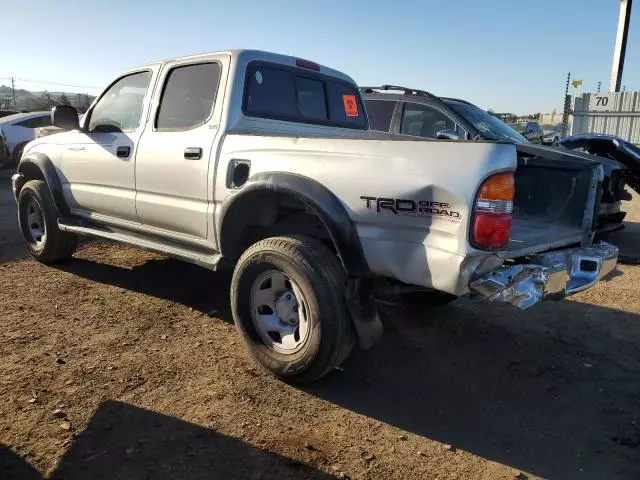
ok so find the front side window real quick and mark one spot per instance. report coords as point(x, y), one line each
point(424, 121)
point(380, 113)
point(120, 108)
point(188, 96)
point(286, 93)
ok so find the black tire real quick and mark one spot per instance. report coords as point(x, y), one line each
point(318, 274)
point(55, 246)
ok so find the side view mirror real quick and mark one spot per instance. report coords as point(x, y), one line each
point(447, 135)
point(65, 117)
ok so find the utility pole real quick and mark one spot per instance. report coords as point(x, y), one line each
point(621, 45)
point(13, 89)
point(567, 106)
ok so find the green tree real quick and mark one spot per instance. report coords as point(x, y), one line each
point(64, 100)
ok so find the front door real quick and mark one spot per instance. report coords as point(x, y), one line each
point(173, 159)
point(98, 162)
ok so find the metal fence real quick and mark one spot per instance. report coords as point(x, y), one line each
point(612, 113)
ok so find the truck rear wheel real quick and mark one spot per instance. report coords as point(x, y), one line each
point(287, 298)
point(38, 222)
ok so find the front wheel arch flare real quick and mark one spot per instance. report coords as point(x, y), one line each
point(37, 166)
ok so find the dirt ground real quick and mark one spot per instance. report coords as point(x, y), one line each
point(126, 365)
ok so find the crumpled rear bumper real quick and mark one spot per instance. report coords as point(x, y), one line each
point(548, 275)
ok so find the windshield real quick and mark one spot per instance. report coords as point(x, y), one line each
point(489, 126)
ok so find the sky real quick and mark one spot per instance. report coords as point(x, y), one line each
point(507, 55)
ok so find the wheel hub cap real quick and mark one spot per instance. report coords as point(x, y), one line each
point(287, 308)
point(35, 223)
point(279, 313)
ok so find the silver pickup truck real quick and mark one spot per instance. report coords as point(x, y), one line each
point(266, 163)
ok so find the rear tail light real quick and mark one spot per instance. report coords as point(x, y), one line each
point(491, 221)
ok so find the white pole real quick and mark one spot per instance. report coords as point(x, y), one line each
point(621, 45)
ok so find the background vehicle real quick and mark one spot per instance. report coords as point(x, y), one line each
point(622, 157)
point(608, 146)
point(16, 131)
point(412, 112)
point(6, 113)
point(554, 135)
point(316, 212)
point(533, 132)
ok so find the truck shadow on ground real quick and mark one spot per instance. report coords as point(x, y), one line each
point(184, 283)
point(554, 391)
point(127, 442)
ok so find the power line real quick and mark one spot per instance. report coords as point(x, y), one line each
point(49, 83)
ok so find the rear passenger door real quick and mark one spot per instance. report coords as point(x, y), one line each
point(174, 159)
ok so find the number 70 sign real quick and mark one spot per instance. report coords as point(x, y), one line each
point(602, 102)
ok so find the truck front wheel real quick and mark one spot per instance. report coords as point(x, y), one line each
point(287, 298)
point(39, 225)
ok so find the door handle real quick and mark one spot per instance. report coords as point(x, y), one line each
point(123, 152)
point(193, 153)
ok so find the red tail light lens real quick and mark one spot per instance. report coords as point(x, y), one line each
point(309, 65)
point(491, 230)
point(491, 224)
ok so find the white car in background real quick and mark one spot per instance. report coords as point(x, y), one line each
point(16, 131)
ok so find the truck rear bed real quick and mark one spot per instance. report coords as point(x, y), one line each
point(554, 200)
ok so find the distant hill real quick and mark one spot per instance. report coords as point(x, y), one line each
point(33, 101)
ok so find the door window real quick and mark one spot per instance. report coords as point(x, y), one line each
point(380, 113)
point(424, 121)
point(188, 96)
point(120, 108)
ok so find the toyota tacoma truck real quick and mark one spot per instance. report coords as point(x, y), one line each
point(266, 163)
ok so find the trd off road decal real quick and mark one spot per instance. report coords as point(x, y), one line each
point(412, 208)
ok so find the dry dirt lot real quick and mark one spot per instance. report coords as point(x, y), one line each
point(126, 365)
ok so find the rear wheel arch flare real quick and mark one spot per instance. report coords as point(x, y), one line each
point(315, 197)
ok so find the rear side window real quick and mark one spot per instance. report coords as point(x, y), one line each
point(287, 93)
point(37, 122)
point(188, 96)
point(380, 113)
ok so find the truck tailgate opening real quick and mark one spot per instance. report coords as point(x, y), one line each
point(555, 200)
